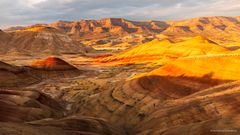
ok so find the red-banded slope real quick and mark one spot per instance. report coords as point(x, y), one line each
point(54, 67)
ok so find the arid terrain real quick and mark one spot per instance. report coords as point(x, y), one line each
point(119, 77)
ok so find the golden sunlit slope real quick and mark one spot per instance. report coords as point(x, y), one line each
point(222, 66)
point(45, 40)
point(164, 50)
point(33, 29)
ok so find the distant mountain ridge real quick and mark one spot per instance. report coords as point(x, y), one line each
point(72, 36)
point(226, 27)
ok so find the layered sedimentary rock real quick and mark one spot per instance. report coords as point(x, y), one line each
point(205, 112)
point(4, 39)
point(66, 126)
point(26, 105)
point(13, 76)
point(33, 113)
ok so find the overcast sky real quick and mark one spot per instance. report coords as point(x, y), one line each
point(24, 12)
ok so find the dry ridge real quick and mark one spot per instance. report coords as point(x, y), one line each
point(46, 40)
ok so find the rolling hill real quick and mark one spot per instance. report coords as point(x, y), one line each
point(223, 67)
point(166, 50)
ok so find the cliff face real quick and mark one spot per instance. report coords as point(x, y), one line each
point(117, 26)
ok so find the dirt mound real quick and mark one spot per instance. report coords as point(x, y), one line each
point(53, 63)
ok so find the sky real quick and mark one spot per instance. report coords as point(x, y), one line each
point(26, 12)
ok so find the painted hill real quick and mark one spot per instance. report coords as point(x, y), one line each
point(52, 63)
point(164, 50)
point(45, 40)
point(54, 67)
